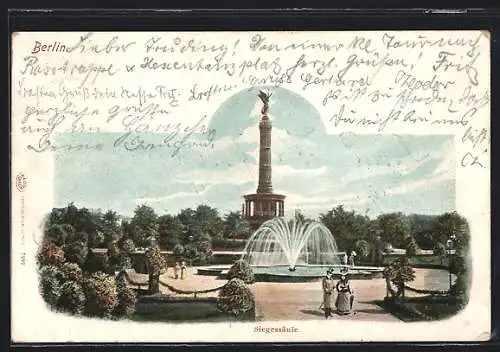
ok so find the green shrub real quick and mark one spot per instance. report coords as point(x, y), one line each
point(96, 262)
point(156, 264)
point(121, 262)
point(235, 298)
point(102, 297)
point(439, 249)
point(127, 245)
point(155, 261)
point(72, 272)
point(50, 283)
point(113, 250)
point(411, 247)
point(126, 302)
point(399, 272)
point(362, 248)
point(241, 270)
point(96, 239)
point(178, 251)
point(50, 254)
point(76, 252)
point(79, 236)
point(58, 234)
point(72, 298)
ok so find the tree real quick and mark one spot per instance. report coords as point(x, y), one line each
point(110, 227)
point(399, 272)
point(156, 266)
point(190, 222)
point(80, 236)
point(394, 228)
point(208, 220)
point(58, 233)
point(362, 248)
point(144, 224)
point(345, 226)
point(422, 229)
point(235, 226)
point(452, 224)
point(170, 231)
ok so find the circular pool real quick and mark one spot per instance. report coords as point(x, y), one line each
point(302, 273)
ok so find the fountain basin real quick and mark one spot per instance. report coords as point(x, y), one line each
point(303, 273)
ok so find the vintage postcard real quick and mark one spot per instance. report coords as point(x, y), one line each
point(250, 186)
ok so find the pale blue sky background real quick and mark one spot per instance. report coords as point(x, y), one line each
point(316, 171)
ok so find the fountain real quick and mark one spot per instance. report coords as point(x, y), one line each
point(283, 250)
point(281, 242)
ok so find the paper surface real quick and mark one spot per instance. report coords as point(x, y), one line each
point(379, 122)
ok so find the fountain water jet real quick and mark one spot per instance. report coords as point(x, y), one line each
point(281, 242)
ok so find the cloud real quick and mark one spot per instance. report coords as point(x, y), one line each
point(448, 165)
point(444, 171)
point(417, 184)
point(145, 200)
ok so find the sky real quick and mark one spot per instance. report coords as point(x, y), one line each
point(316, 171)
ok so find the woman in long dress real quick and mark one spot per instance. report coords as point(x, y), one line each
point(183, 270)
point(328, 288)
point(177, 269)
point(345, 297)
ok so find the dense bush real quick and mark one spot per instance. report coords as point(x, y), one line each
point(76, 252)
point(156, 266)
point(227, 243)
point(399, 272)
point(96, 262)
point(439, 249)
point(241, 270)
point(50, 254)
point(96, 239)
point(126, 245)
point(120, 262)
point(411, 247)
point(50, 283)
point(235, 298)
point(362, 248)
point(191, 253)
point(72, 298)
point(178, 251)
point(58, 234)
point(126, 302)
point(72, 272)
point(102, 297)
point(79, 236)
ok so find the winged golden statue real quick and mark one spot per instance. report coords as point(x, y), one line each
point(265, 99)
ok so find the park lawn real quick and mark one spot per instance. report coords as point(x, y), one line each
point(184, 309)
point(423, 308)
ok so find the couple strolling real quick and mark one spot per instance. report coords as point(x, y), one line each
point(345, 296)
